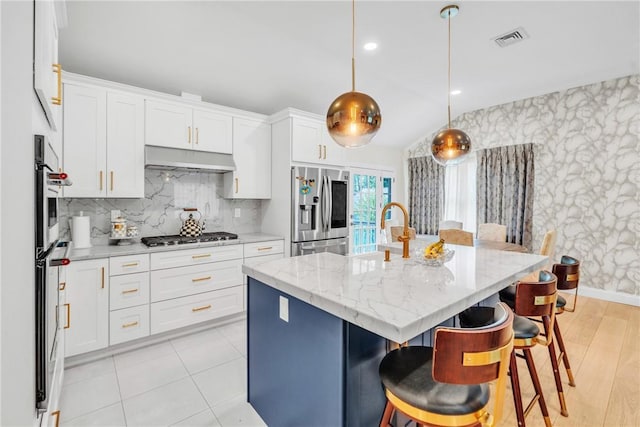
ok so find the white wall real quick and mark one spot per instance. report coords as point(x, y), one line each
point(17, 107)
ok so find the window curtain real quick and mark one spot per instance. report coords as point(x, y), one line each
point(505, 190)
point(460, 193)
point(426, 194)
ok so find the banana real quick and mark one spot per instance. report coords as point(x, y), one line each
point(434, 249)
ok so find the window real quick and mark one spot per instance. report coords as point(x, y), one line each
point(460, 193)
point(370, 191)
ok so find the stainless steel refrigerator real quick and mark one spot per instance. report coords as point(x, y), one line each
point(320, 217)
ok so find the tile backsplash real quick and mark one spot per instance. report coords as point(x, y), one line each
point(166, 193)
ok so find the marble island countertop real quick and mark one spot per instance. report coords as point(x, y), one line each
point(105, 251)
point(398, 299)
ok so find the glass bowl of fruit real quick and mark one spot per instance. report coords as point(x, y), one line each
point(434, 255)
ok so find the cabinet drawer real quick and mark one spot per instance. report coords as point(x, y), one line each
point(179, 312)
point(258, 259)
point(128, 324)
point(185, 258)
point(128, 290)
point(183, 281)
point(263, 248)
point(128, 264)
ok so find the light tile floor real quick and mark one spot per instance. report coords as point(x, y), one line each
point(196, 380)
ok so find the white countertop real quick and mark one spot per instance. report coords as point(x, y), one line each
point(105, 251)
point(400, 299)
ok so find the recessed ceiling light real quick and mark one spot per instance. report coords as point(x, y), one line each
point(456, 92)
point(370, 46)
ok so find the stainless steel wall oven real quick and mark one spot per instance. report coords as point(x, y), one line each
point(49, 255)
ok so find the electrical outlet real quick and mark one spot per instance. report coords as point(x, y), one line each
point(236, 213)
point(284, 309)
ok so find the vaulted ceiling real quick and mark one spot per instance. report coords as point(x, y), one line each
point(264, 56)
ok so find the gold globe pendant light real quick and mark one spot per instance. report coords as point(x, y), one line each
point(353, 118)
point(450, 146)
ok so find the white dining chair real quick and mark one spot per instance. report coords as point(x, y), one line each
point(490, 231)
point(450, 225)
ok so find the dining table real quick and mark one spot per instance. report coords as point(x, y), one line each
point(423, 240)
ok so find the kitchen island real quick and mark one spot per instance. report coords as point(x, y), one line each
point(318, 325)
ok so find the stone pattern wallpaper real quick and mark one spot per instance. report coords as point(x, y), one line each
point(166, 193)
point(587, 172)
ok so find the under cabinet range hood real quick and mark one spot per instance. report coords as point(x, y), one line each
point(175, 158)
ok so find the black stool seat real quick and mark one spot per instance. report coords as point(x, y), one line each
point(508, 296)
point(561, 301)
point(524, 328)
point(406, 372)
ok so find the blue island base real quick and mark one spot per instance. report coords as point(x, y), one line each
point(314, 369)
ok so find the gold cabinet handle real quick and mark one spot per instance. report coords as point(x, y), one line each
point(131, 264)
point(189, 133)
point(68, 307)
point(130, 291)
point(57, 100)
point(236, 185)
point(201, 256)
point(265, 248)
point(100, 180)
point(130, 324)
point(111, 180)
point(201, 279)
point(319, 151)
point(197, 135)
point(62, 285)
point(325, 152)
point(57, 415)
point(102, 284)
point(204, 307)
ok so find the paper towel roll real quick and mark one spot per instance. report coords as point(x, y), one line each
point(81, 231)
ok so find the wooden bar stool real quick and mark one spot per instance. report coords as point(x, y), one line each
point(531, 299)
point(569, 268)
point(447, 385)
point(568, 274)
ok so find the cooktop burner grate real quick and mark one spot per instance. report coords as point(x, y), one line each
point(181, 240)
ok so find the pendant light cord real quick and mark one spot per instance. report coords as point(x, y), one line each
point(449, 71)
point(353, 45)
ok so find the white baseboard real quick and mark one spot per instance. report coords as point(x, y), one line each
point(611, 296)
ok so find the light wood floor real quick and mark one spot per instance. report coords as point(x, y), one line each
point(603, 343)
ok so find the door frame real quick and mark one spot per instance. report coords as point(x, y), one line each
point(380, 174)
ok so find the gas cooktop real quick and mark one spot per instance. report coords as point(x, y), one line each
point(181, 240)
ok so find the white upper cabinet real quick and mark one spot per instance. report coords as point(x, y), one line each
point(168, 124)
point(311, 143)
point(176, 125)
point(103, 142)
point(125, 145)
point(85, 140)
point(212, 132)
point(47, 70)
point(252, 156)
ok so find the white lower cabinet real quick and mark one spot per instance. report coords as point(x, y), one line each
point(185, 311)
point(118, 299)
point(87, 306)
point(128, 290)
point(128, 324)
point(183, 281)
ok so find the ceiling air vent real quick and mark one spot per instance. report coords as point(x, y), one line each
point(513, 36)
